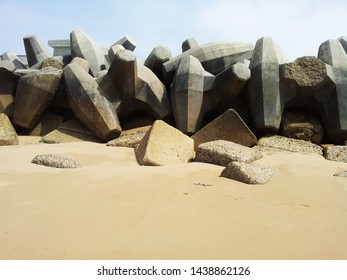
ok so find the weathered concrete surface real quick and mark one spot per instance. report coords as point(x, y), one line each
point(288, 144)
point(129, 138)
point(8, 85)
point(70, 131)
point(52, 62)
point(47, 124)
point(214, 57)
point(89, 106)
point(334, 104)
point(189, 44)
point(8, 135)
point(83, 46)
point(135, 88)
point(343, 42)
point(336, 153)
point(264, 97)
point(230, 83)
point(221, 152)
point(35, 50)
point(11, 56)
point(164, 145)
point(228, 126)
point(113, 50)
point(127, 42)
point(302, 126)
point(249, 173)
point(187, 95)
point(34, 94)
point(56, 161)
point(302, 79)
point(155, 60)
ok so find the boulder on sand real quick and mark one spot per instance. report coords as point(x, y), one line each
point(164, 145)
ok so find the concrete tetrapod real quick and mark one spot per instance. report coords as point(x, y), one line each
point(334, 104)
point(89, 105)
point(187, 95)
point(214, 57)
point(83, 46)
point(35, 92)
point(35, 50)
point(266, 104)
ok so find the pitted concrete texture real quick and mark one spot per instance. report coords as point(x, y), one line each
point(164, 145)
point(249, 173)
point(223, 152)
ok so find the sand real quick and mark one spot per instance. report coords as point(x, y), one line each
point(112, 208)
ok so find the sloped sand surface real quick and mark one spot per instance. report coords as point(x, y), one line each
point(112, 208)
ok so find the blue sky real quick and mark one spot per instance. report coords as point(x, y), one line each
point(297, 26)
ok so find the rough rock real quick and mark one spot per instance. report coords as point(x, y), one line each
point(223, 152)
point(164, 145)
point(127, 42)
point(214, 57)
point(52, 62)
point(8, 85)
point(189, 44)
point(336, 153)
point(47, 124)
point(187, 95)
point(228, 126)
point(289, 144)
point(341, 174)
point(8, 135)
point(129, 138)
point(34, 94)
point(83, 46)
point(35, 50)
point(248, 173)
point(302, 126)
point(334, 103)
point(70, 131)
point(89, 106)
point(57, 161)
point(264, 97)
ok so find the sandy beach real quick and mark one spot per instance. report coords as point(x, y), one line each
point(112, 208)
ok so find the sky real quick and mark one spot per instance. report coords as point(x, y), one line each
point(298, 27)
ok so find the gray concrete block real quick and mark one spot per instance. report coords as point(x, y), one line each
point(230, 127)
point(83, 46)
point(60, 47)
point(127, 42)
point(187, 95)
point(8, 84)
point(35, 50)
point(89, 106)
point(11, 56)
point(155, 60)
point(264, 96)
point(230, 83)
point(214, 57)
point(33, 96)
point(189, 43)
point(334, 104)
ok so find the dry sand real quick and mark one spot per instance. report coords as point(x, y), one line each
point(112, 208)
